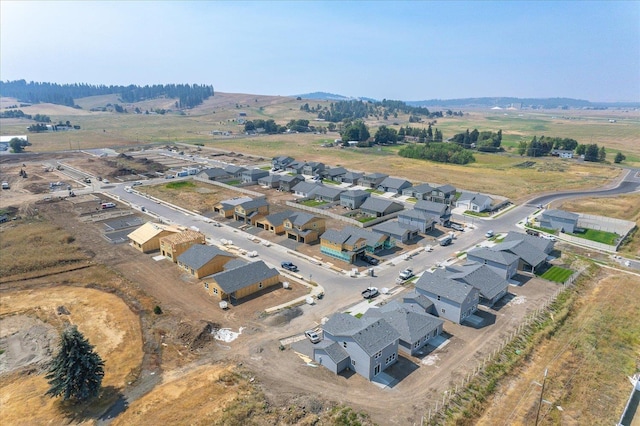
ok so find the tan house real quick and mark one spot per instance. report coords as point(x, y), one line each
point(226, 208)
point(274, 222)
point(201, 260)
point(174, 245)
point(242, 281)
point(250, 211)
point(304, 227)
point(147, 237)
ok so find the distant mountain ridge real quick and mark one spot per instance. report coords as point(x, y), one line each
point(488, 102)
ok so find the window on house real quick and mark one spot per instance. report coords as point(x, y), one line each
point(206, 285)
point(438, 297)
point(215, 290)
point(353, 362)
point(378, 355)
point(442, 310)
point(344, 344)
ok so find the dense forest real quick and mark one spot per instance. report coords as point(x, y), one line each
point(357, 109)
point(187, 95)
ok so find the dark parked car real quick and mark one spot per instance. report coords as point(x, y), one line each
point(289, 266)
point(370, 259)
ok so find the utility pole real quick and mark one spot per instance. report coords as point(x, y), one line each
point(544, 379)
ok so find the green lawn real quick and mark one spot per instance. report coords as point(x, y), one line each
point(479, 214)
point(180, 185)
point(366, 219)
point(313, 203)
point(603, 237)
point(557, 274)
point(330, 182)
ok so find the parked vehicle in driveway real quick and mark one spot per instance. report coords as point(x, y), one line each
point(446, 240)
point(489, 234)
point(370, 259)
point(456, 226)
point(370, 293)
point(533, 232)
point(289, 266)
point(312, 336)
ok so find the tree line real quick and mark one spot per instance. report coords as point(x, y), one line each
point(188, 95)
point(486, 141)
point(438, 151)
point(18, 113)
point(358, 109)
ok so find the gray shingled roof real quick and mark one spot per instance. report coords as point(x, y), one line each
point(476, 198)
point(215, 172)
point(524, 251)
point(422, 188)
point(233, 264)
point(270, 179)
point(278, 218)
point(353, 193)
point(198, 255)
point(371, 334)
point(375, 176)
point(411, 325)
point(352, 175)
point(439, 209)
point(329, 192)
point(395, 183)
point(306, 187)
point(446, 188)
point(300, 218)
point(437, 283)
point(235, 201)
point(414, 300)
point(243, 276)
point(541, 244)
point(290, 178)
point(393, 227)
point(485, 279)
point(500, 257)
point(417, 214)
point(380, 205)
point(333, 350)
point(234, 169)
point(335, 171)
point(254, 204)
point(561, 214)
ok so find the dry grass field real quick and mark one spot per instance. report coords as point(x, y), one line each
point(588, 361)
point(196, 196)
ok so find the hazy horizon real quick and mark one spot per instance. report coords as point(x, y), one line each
point(410, 51)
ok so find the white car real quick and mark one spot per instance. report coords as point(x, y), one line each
point(406, 274)
point(312, 336)
point(489, 234)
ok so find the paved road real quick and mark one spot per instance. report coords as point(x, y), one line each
point(340, 289)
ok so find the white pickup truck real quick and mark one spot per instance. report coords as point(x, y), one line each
point(405, 275)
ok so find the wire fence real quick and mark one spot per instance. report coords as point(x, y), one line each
point(438, 410)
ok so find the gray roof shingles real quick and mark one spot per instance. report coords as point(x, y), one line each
point(199, 255)
point(438, 284)
point(243, 276)
point(371, 334)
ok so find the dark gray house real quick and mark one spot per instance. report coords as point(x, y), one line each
point(306, 189)
point(328, 193)
point(354, 198)
point(214, 173)
point(372, 180)
point(415, 325)
point(252, 175)
point(420, 192)
point(396, 230)
point(281, 162)
point(420, 219)
point(560, 220)
point(295, 167)
point(313, 168)
point(394, 185)
point(492, 287)
point(451, 299)
point(287, 182)
point(234, 171)
point(530, 257)
point(371, 344)
point(352, 178)
point(378, 207)
point(503, 263)
point(444, 194)
point(541, 244)
point(270, 181)
point(440, 212)
point(334, 173)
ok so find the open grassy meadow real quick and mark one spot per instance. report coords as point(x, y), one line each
point(491, 173)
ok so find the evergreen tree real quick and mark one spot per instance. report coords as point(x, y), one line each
point(620, 157)
point(76, 371)
point(602, 155)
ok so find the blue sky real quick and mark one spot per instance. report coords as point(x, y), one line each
point(394, 50)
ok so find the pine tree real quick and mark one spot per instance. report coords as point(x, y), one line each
point(76, 372)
